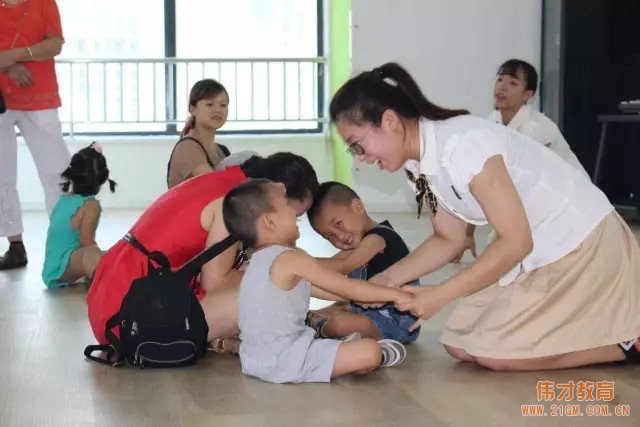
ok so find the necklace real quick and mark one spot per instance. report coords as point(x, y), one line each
point(5, 3)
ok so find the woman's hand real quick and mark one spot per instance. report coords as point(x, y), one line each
point(427, 302)
point(20, 75)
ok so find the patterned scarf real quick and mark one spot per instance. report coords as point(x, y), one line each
point(423, 191)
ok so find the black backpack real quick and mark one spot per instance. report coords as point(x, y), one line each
point(161, 323)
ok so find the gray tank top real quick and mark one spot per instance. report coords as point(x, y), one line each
point(268, 314)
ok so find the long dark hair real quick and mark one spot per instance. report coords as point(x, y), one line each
point(294, 171)
point(202, 89)
point(366, 96)
point(87, 172)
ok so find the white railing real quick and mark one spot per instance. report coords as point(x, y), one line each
point(151, 95)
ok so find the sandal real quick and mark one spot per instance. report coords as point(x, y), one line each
point(310, 320)
point(218, 345)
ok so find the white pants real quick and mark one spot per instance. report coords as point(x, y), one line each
point(42, 131)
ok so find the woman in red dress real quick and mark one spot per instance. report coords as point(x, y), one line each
point(180, 224)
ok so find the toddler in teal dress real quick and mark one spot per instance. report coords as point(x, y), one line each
point(71, 250)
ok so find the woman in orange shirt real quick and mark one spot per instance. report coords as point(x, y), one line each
point(30, 38)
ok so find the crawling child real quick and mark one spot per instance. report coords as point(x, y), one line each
point(275, 293)
point(367, 248)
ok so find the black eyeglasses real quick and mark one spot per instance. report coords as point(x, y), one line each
point(423, 191)
point(355, 149)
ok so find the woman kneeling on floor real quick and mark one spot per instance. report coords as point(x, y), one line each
point(559, 287)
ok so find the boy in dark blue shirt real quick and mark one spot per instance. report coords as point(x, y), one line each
point(367, 248)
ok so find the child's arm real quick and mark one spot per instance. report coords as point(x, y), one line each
point(89, 223)
point(341, 254)
point(327, 296)
point(291, 265)
point(355, 258)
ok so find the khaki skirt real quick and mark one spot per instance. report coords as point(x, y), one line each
point(589, 298)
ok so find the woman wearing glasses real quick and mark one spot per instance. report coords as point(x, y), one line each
point(560, 285)
point(180, 224)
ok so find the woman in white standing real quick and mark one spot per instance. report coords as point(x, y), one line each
point(30, 38)
point(516, 83)
point(559, 287)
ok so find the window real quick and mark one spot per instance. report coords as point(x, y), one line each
point(264, 52)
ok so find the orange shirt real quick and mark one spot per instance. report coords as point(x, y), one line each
point(42, 21)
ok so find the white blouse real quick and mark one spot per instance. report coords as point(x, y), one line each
point(541, 128)
point(561, 204)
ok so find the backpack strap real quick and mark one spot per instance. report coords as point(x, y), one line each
point(192, 267)
point(156, 256)
point(113, 350)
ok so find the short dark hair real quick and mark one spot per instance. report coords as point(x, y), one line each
point(243, 206)
point(292, 170)
point(514, 66)
point(365, 97)
point(87, 171)
point(330, 192)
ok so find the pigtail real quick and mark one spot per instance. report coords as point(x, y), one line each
point(66, 174)
point(188, 126)
point(394, 75)
point(112, 185)
point(65, 186)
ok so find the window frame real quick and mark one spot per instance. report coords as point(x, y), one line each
point(171, 84)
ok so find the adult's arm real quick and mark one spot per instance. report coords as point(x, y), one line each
point(447, 240)
point(218, 273)
point(44, 50)
point(497, 196)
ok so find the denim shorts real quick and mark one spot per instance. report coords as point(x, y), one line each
point(393, 324)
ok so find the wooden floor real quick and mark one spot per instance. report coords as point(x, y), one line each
point(45, 380)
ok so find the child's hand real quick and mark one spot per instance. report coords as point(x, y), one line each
point(403, 297)
point(380, 280)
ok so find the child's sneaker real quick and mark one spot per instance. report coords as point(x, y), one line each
point(393, 353)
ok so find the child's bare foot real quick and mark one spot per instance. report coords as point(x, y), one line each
point(228, 345)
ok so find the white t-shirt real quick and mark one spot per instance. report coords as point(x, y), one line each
point(541, 128)
point(561, 204)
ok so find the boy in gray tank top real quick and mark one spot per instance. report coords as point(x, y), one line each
point(275, 292)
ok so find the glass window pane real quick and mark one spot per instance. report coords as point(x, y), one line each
point(264, 95)
point(112, 96)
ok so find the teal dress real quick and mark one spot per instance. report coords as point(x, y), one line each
point(62, 240)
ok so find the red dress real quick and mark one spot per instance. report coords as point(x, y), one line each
point(171, 225)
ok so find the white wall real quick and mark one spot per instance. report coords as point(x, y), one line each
point(139, 165)
point(452, 48)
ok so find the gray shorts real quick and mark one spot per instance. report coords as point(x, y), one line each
point(300, 359)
